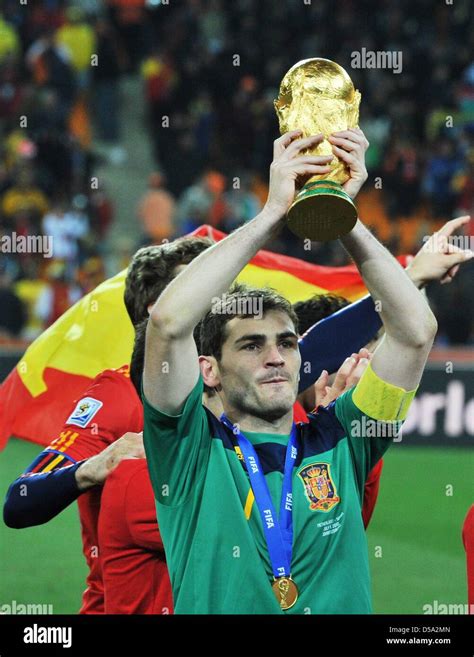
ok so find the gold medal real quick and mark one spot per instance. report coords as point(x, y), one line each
point(285, 592)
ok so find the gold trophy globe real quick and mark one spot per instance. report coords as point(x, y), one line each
point(318, 96)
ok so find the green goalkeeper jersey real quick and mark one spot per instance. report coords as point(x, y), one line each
point(211, 527)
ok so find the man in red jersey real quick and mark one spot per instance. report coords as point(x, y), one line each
point(468, 540)
point(102, 429)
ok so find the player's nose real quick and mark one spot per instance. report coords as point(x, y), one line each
point(273, 356)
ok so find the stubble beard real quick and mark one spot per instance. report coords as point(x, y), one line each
point(270, 411)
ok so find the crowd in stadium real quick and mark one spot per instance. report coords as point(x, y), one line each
point(210, 72)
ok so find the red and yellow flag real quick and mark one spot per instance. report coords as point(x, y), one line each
point(96, 334)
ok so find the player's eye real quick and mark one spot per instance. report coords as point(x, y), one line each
point(251, 346)
point(288, 344)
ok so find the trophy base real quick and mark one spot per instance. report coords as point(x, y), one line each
point(321, 212)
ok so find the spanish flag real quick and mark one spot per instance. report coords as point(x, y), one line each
point(96, 334)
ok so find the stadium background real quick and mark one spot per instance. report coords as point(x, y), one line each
point(97, 162)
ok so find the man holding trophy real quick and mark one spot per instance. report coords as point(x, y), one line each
point(257, 514)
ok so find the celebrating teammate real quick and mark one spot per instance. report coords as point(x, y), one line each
point(103, 429)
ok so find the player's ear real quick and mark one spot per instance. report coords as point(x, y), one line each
point(209, 371)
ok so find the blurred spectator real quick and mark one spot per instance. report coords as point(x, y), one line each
point(106, 82)
point(24, 197)
point(204, 203)
point(402, 170)
point(102, 211)
point(78, 38)
point(11, 92)
point(51, 67)
point(129, 18)
point(66, 227)
point(438, 182)
point(243, 203)
point(9, 42)
point(160, 80)
point(463, 184)
point(13, 314)
point(156, 211)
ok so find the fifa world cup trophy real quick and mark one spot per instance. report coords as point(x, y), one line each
point(318, 96)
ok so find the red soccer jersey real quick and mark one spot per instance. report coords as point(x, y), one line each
point(109, 408)
point(468, 540)
point(299, 414)
point(134, 571)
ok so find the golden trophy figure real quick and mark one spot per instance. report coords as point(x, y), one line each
point(318, 96)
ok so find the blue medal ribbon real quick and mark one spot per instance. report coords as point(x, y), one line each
point(278, 530)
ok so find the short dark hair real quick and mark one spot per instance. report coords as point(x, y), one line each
point(137, 361)
point(152, 269)
point(212, 331)
point(312, 310)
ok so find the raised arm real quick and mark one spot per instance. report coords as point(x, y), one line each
point(80, 457)
point(354, 326)
point(171, 359)
point(410, 326)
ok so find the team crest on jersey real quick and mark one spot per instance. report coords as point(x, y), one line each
point(319, 487)
point(84, 411)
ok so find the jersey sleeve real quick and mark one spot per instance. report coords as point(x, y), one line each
point(108, 408)
point(177, 448)
point(372, 414)
point(48, 485)
point(344, 332)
